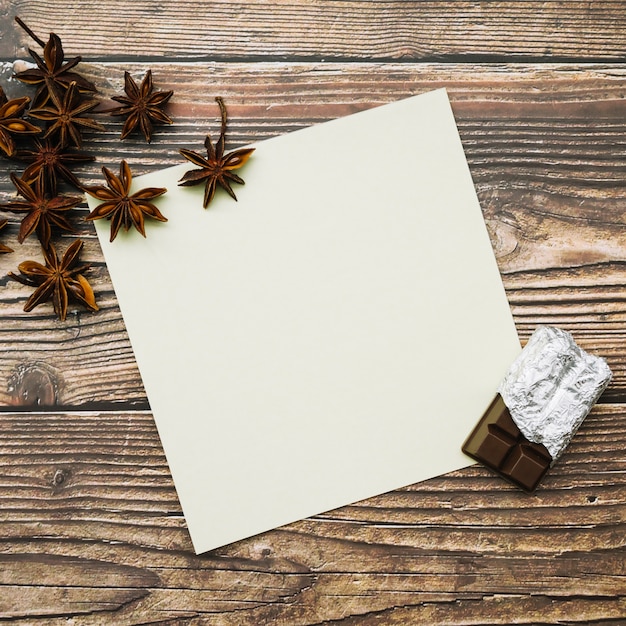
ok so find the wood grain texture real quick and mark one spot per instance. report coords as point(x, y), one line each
point(90, 527)
point(91, 531)
point(333, 29)
point(545, 146)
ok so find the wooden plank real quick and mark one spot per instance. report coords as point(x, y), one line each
point(545, 146)
point(86, 360)
point(335, 29)
point(90, 527)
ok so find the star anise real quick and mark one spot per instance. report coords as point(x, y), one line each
point(52, 72)
point(142, 106)
point(4, 248)
point(42, 211)
point(52, 162)
point(11, 122)
point(65, 116)
point(57, 280)
point(122, 208)
point(217, 168)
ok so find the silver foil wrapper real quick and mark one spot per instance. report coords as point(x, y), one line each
point(551, 387)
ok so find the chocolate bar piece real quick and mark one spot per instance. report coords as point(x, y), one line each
point(546, 394)
point(498, 443)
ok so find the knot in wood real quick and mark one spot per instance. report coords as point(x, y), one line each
point(34, 384)
point(59, 478)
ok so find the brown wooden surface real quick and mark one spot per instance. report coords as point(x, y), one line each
point(91, 531)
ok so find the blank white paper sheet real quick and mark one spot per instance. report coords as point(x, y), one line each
point(333, 335)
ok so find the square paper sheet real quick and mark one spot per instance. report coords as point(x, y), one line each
point(334, 334)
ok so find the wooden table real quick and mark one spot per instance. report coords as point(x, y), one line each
point(91, 531)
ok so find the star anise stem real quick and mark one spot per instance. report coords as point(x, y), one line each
point(52, 71)
point(31, 34)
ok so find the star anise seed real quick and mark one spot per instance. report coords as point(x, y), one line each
point(217, 168)
point(142, 106)
point(52, 162)
point(51, 72)
point(11, 122)
point(122, 207)
point(65, 116)
point(42, 211)
point(60, 281)
point(4, 248)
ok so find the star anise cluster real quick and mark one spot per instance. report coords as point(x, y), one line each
point(46, 144)
point(63, 96)
point(46, 133)
point(61, 99)
point(63, 104)
point(60, 102)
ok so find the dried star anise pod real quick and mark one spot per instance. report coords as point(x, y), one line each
point(11, 122)
point(217, 168)
point(57, 280)
point(122, 208)
point(142, 106)
point(52, 72)
point(52, 162)
point(65, 116)
point(42, 210)
point(4, 248)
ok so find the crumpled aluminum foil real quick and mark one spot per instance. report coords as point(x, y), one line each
point(551, 387)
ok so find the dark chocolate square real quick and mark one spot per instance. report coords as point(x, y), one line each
point(495, 445)
point(525, 467)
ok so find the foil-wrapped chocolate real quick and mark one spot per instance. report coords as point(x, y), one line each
point(543, 399)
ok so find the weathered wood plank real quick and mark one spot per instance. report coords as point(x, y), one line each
point(335, 29)
point(86, 360)
point(91, 528)
point(545, 146)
